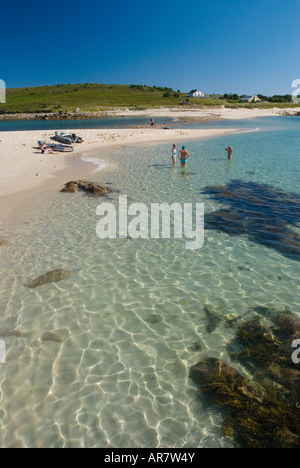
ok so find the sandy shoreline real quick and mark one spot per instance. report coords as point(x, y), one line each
point(217, 113)
point(204, 113)
point(25, 171)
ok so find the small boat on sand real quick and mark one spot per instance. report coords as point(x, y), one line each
point(57, 147)
point(67, 138)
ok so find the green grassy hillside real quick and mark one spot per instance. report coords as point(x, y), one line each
point(87, 97)
point(99, 97)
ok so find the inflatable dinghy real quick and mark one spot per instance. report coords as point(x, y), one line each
point(67, 138)
point(55, 147)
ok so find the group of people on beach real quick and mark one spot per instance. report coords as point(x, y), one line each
point(183, 154)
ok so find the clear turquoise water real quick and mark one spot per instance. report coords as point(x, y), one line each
point(132, 312)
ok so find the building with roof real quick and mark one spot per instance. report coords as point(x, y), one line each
point(194, 93)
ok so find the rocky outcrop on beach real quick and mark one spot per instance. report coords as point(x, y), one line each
point(88, 187)
point(263, 410)
point(187, 112)
point(61, 115)
point(291, 113)
point(49, 277)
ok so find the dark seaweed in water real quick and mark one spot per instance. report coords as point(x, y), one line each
point(263, 412)
point(264, 213)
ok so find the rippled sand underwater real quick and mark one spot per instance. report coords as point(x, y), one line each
point(104, 355)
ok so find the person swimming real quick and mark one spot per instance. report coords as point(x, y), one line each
point(183, 156)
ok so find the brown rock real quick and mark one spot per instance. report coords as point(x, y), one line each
point(49, 336)
point(50, 277)
point(70, 187)
point(89, 187)
point(8, 332)
point(288, 323)
point(210, 367)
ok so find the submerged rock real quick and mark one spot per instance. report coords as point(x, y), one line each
point(2, 242)
point(8, 332)
point(50, 277)
point(88, 187)
point(49, 336)
point(289, 324)
point(213, 319)
point(211, 367)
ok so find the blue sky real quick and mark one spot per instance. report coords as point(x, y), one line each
point(216, 46)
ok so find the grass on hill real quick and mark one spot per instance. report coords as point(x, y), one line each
point(87, 97)
point(97, 97)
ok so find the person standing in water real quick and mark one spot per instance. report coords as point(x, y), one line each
point(174, 153)
point(183, 156)
point(229, 152)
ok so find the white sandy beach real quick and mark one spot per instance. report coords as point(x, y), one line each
point(25, 171)
point(206, 113)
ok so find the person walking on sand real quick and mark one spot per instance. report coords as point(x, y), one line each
point(174, 153)
point(183, 156)
point(229, 152)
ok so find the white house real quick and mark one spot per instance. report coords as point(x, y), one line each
point(253, 98)
point(195, 93)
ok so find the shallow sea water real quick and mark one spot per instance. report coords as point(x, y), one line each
point(132, 312)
